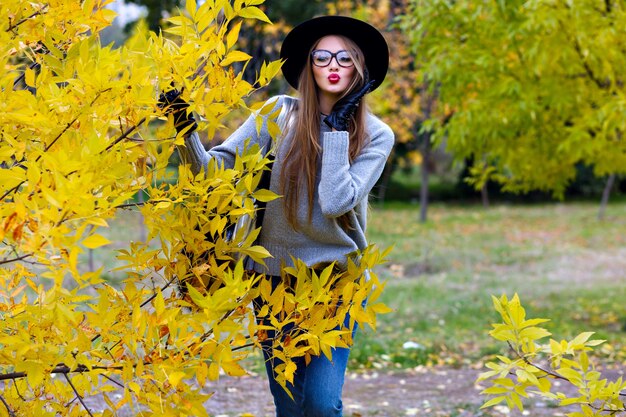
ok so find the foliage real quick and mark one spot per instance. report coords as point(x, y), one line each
point(76, 148)
point(536, 86)
point(533, 366)
point(398, 100)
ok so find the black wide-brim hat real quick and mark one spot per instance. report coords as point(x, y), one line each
point(298, 43)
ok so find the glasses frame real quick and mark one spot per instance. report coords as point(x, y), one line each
point(332, 55)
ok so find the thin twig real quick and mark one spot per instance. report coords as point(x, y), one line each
point(546, 371)
point(23, 75)
point(80, 398)
point(11, 413)
point(247, 345)
point(131, 205)
point(119, 384)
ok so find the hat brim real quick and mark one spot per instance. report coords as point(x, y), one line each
point(300, 40)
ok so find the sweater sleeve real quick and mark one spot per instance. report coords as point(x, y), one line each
point(193, 151)
point(343, 185)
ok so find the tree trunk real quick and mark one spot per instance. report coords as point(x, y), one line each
point(605, 196)
point(484, 192)
point(484, 195)
point(425, 174)
point(427, 104)
point(142, 223)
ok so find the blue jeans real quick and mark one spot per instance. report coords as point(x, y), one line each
point(316, 387)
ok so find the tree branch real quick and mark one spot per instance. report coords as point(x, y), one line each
point(125, 134)
point(19, 258)
point(601, 84)
point(551, 373)
point(148, 300)
point(47, 147)
point(80, 398)
point(38, 12)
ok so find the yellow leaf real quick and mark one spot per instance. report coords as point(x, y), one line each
point(233, 368)
point(29, 77)
point(135, 387)
point(233, 35)
point(235, 56)
point(98, 221)
point(163, 204)
point(258, 253)
point(581, 338)
point(202, 372)
point(190, 6)
point(381, 309)
point(214, 371)
point(493, 402)
point(34, 372)
point(254, 13)
point(159, 303)
point(95, 241)
point(175, 377)
point(290, 369)
point(264, 195)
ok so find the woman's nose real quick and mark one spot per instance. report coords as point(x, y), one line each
point(334, 64)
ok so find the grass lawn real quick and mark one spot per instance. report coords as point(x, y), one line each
point(564, 264)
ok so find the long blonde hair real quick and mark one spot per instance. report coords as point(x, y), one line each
point(300, 162)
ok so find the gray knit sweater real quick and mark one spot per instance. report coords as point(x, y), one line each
point(341, 187)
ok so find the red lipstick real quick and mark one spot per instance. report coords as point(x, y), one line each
point(334, 78)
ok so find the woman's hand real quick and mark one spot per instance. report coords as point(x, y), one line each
point(173, 103)
point(339, 117)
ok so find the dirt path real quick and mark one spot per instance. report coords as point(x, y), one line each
point(432, 392)
point(420, 392)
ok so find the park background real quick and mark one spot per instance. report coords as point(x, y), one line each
point(507, 177)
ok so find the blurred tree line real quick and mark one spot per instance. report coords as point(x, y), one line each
point(406, 101)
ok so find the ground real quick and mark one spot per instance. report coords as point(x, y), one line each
point(417, 392)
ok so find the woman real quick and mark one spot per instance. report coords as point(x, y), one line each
point(326, 163)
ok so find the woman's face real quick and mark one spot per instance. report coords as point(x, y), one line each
point(333, 79)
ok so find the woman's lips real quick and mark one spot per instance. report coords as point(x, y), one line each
point(334, 78)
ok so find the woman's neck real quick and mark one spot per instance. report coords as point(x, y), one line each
point(326, 102)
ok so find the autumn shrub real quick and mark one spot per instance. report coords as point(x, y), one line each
point(78, 143)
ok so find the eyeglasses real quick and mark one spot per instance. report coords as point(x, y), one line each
point(322, 58)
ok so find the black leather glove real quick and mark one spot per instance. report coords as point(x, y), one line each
point(173, 103)
point(339, 117)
